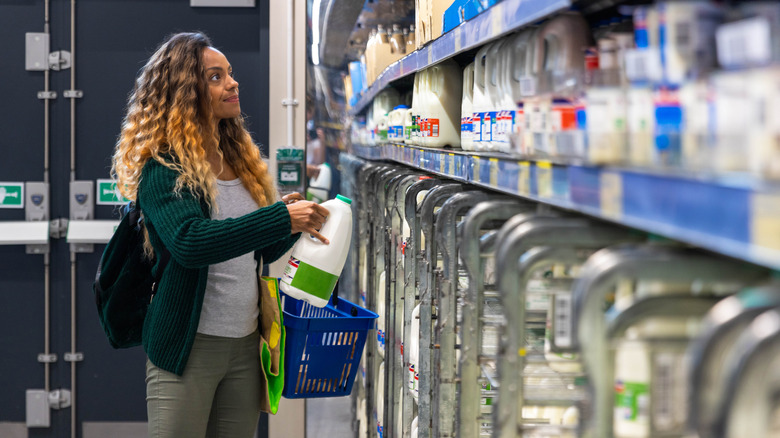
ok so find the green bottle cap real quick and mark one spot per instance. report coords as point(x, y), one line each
point(344, 199)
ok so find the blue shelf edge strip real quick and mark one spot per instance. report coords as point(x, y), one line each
point(737, 220)
point(503, 18)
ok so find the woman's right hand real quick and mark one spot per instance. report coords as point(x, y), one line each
point(308, 217)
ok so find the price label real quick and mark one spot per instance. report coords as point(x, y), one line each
point(457, 35)
point(475, 168)
point(611, 194)
point(494, 172)
point(524, 178)
point(442, 164)
point(451, 159)
point(544, 179)
point(765, 220)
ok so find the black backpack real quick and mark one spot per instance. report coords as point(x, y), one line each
point(124, 284)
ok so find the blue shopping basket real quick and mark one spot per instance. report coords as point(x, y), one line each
point(323, 347)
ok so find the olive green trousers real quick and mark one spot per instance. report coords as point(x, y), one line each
point(218, 396)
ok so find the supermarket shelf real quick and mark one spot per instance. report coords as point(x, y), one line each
point(503, 18)
point(736, 216)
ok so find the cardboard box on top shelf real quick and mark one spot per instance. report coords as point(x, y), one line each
point(429, 20)
point(420, 25)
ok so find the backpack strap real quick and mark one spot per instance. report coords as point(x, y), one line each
point(163, 256)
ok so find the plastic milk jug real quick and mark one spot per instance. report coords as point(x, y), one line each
point(383, 52)
point(417, 108)
point(369, 55)
point(424, 99)
point(466, 110)
point(380, 400)
point(395, 133)
point(480, 102)
point(425, 122)
point(521, 84)
point(444, 102)
point(398, 42)
point(380, 311)
point(493, 90)
point(649, 373)
point(362, 418)
point(399, 413)
point(384, 102)
point(507, 106)
point(314, 267)
point(559, 50)
point(407, 126)
point(320, 186)
point(414, 354)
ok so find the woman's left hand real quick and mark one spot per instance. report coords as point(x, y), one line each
point(292, 198)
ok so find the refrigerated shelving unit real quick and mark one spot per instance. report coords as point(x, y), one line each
point(736, 215)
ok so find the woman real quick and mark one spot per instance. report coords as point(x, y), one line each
point(185, 157)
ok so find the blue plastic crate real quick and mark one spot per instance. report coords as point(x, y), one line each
point(323, 347)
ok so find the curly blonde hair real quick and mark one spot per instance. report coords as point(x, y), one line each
point(169, 113)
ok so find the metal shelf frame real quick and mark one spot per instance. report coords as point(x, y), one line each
point(737, 216)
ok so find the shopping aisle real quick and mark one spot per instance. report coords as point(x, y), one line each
point(566, 217)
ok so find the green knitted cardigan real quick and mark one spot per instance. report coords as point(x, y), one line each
point(181, 222)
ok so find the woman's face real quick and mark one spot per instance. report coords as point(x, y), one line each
point(222, 87)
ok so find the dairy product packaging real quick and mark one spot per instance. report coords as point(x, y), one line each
point(314, 268)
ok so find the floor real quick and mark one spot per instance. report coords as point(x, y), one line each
point(329, 417)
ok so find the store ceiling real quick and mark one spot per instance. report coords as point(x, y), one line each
point(347, 23)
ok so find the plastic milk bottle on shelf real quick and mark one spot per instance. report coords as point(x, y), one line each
point(369, 55)
point(480, 101)
point(466, 110)
point(416, 110)
point(425, 121)
point(380, 311)
point(395, 133)
point(444, 101)
point(493, 90)
point(507, 105)
point(314, 267)
point(380, 400)
point(320, 186)
point(414, 355)
point(521, 84)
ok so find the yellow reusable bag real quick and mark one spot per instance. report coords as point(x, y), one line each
point(272, 338)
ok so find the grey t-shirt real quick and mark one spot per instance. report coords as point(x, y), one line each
point(230, 304)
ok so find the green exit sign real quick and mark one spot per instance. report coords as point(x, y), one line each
point(11, 195)
point(107, 194)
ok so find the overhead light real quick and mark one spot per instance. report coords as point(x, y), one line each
point(315, 54)
point(315, 32)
